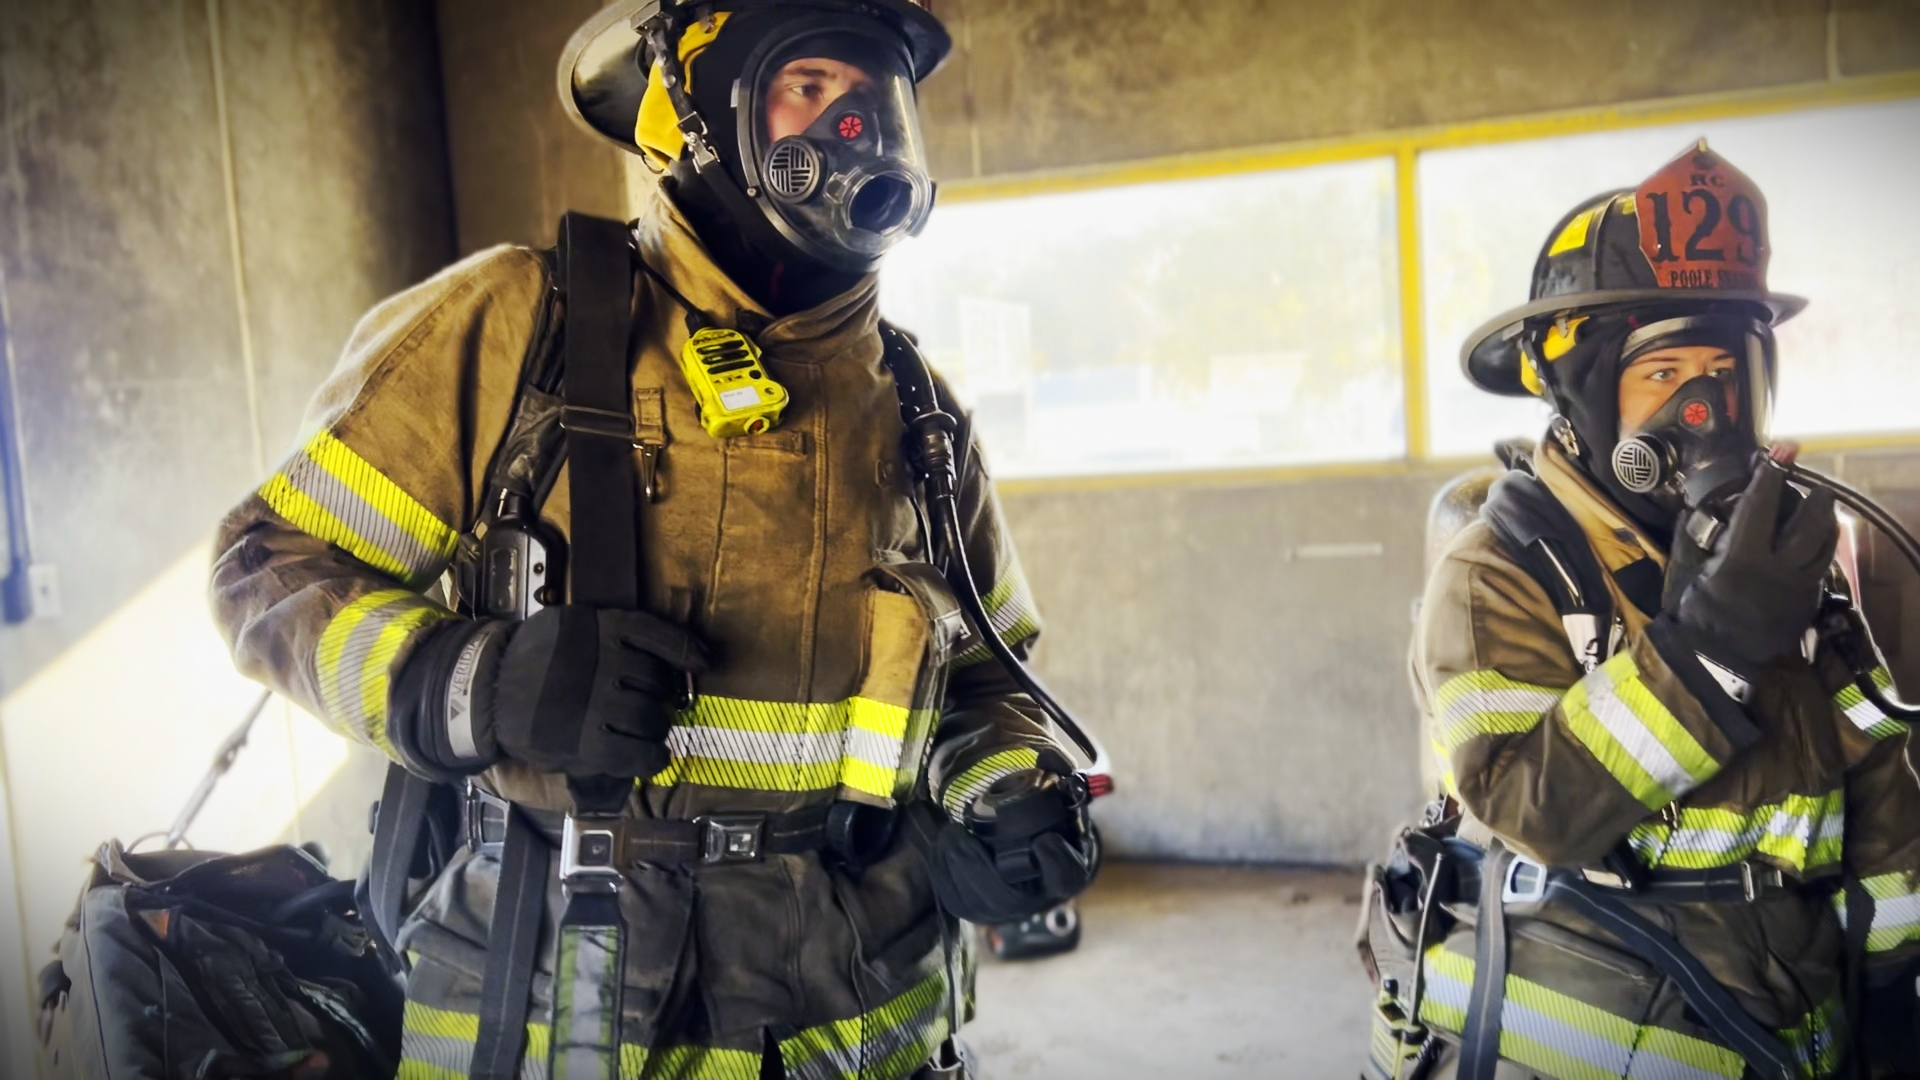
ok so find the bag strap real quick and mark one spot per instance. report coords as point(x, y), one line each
point(1480, 1037)
point(399, 827)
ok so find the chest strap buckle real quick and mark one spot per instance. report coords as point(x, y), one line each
point(592, 847)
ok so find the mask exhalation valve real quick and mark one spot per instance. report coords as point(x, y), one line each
point(1641, 464)
point(793, 170)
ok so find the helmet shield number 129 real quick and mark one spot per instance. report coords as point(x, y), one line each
point(1703, 225)
point(832, 142)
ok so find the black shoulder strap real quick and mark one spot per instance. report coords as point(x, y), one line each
point(597, 285)
point(1539, 532)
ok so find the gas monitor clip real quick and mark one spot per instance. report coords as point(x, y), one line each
point(730, 385)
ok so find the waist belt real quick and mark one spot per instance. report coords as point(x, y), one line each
point(1526, 881)
point(1509, 879)
point(626, 841)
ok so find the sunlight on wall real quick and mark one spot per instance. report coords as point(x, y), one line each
point(111, 739)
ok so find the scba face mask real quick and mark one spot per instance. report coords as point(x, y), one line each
point(831, 140)
point(1697, 450)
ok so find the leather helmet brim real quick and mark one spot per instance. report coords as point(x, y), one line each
point(1490, 358)
point(602, 75)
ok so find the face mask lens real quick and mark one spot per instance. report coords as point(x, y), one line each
point(832, 141)
point(881, 204)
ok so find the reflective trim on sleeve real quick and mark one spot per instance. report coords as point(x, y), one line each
point(1896, 910)
point(1804, 832)
point(784, 746)
point(331, 493)
point(1558, 1036)
point(1865, 714)
point(355, 652)
point(1478, 703)
point(1011, 611)
point(1635, 737)
point(964, 788)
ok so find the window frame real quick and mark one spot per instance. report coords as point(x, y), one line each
point(1405, 148)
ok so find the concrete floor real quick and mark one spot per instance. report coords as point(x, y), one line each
point(1190, 972)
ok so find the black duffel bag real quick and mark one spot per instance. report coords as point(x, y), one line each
point(187, 965)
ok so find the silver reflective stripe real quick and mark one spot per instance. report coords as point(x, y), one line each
point(365, 519)
point(873, 748)
point(586, 1009)
point(1634, 736)
point(851, 1061)
point(460, 696)
point(763, 747)
point(439, 1051)
point(1607, 1057)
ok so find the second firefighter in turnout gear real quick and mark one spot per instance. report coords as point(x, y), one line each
point(795, 721)
point(1667, 817)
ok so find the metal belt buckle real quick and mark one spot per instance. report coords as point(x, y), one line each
point(1526, 882)
point(590, 852)
point(486, 821)
point(1754, 880)
point(731, 838)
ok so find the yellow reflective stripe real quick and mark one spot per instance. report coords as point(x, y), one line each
point(1478, 703)
point(329, 492)
point(1815, 1040)
point(1802, 831)
point(962, 789)
point(1559, 1036)
point(788, 746)
point(355, 651)
point(1636, 738)
point(1864, 714)
point(1010, 610)
point(437, 1044)
point(1896, 909)
point(893, 1040)
point(1448, 780)
point(696, 1063)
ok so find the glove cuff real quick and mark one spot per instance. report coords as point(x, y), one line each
point(1721, 687)
point(441, 706)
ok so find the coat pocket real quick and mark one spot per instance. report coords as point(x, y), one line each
point(913, 622)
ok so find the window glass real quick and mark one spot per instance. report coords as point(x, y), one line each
point(1839, 190)
point(1233, 321)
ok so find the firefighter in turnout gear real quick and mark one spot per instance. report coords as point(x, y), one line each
point(1673, 838)
point(664, 619)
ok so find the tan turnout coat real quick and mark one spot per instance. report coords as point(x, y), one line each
point(1562, 765)
point(842, 670)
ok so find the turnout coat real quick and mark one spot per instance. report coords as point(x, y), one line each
point(1563, 765)
point(843, 667)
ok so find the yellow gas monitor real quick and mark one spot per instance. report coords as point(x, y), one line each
point(731, 385)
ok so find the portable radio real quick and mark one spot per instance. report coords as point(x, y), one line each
point(731, 385)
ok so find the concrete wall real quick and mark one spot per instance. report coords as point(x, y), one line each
point(198, 198)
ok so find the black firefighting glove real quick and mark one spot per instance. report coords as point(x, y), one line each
point(1041, 852)
point(1754, 596)
point(576, 690)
